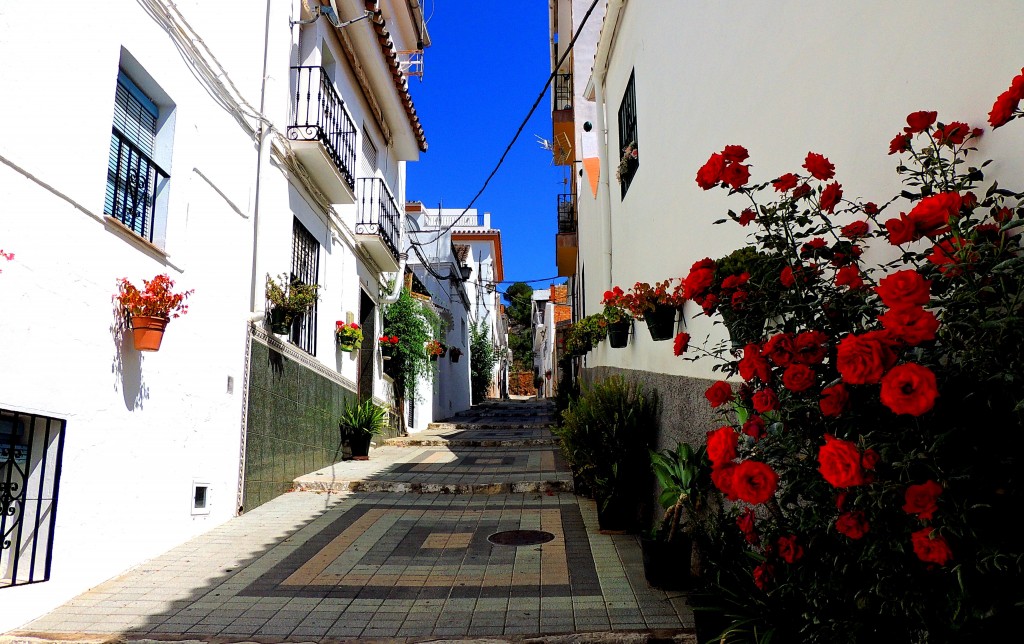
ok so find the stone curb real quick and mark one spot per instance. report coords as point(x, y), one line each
point(469, 442)
point(407, 487)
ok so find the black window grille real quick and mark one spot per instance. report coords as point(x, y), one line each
point(31, 451)
point(305, 268)
point(134, 180)
point(566, 214)
point(628, 164)
point(563, 91)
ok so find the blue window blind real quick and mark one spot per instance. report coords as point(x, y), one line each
point(132, 175)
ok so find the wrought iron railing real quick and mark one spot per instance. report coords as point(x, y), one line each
point(133, 182)
point(563, 91)
point(566, 214)
point(31, 453)
point(378, 213)
point(318, 114)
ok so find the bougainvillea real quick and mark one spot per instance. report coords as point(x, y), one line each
point(867, 459)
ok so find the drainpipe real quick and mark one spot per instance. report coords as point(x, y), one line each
point(262, 150)
point(604, 48)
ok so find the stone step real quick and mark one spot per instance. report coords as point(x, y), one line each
point(410, 487)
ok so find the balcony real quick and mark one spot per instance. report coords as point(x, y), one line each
point(563, 119)
point(323, 134)
point(378, 225)
point(566, 244)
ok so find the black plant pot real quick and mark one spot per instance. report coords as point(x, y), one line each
point(744, 327)
point(617, 515)
point(618, 334)
point(455, 356)
point(280, 320)
point(360, 444)
point(661, 322)
point(667, 563)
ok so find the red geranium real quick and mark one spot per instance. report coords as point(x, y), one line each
point(909, 389)
point(931, 547)
point(852, 524)
point(840, 463)
point(819, 167)
point(922, 499)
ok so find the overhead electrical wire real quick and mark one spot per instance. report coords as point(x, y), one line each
point(522, 126)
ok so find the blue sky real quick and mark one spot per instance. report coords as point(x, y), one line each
point(488, 62)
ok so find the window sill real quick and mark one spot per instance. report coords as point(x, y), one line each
point(131, 236)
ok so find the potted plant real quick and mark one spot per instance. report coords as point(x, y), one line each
point(360, 422)
point(435, 350)
point(667, 553)
point(148, 311)
point(349, 336)
point(656, 305)
point(629, 162)
point(455, 353)
point(388, 345)
point(289, 298)
point(620, 320)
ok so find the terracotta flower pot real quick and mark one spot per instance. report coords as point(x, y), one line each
point(148, 332)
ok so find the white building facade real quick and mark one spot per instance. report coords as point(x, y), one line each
point(683, 79)
point(216, 147)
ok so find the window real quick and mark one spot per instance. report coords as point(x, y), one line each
point(136, 184)
point(628, 163)
point(31, 449)
point(305, 268)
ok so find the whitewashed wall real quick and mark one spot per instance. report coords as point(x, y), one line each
point(782, 79)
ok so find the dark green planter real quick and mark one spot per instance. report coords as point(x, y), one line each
point(281, 320)
point(360, 444)
point(661, 322)
point(618, 334)
point(667, 564)
point(617, 515)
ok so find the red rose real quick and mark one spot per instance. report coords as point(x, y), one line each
point(711, 172)
point(869, 459)
point(745, 522)
point(709, 303)
point(680, 343)
point(840, 463)
point(910, 324)
point(830, 197)
point(833, 400)
point(855, 230)
point(1003, 109)
point(909, 389)
point(871, 208)
point(931, 215)
point(753, 364)
point(765, 401)
point(785, 183)
point(786, 277)
point(718, 393)
point(901, 143)
point(780, 349)
point(707, 262)
point(949, 254)
point(863, 359)
point(921, 499)
point(919, 121)
point(849, 276)
point(801, 191)
point(900, 230)
point(852, 524)
point(736, 153)
point(723, 477)
point(754, 482)
point(931, 547)
point(819, 167)
point(698, 282)
point(810, 347)
point(736, 175)
point(789, 550)
point(747, 216)
point(798, 377)
point(754, 427)
point(904, 288)
point(722, 445)
point(953, 134)
point(762, 575)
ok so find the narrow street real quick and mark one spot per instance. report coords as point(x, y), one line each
point(407, 546)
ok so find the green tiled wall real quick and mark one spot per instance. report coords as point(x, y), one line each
point(292, 424)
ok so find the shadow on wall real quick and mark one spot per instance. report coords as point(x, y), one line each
point(127, 366)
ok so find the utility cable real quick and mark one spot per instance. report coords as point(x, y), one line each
point(522, 126)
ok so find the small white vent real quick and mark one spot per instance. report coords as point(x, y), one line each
point(200, 498)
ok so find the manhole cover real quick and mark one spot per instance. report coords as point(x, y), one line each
point(520, 538)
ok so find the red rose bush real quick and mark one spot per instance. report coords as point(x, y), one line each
point(867, 460)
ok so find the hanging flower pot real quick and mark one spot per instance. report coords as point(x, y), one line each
point(455, 353)
point(388, 346)
point(618, 334)
point(281, 320)
point(661, 322)
point(148, 332)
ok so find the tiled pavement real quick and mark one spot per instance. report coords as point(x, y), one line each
point(390, 566)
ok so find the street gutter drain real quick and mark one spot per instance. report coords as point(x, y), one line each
point(520, 538)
